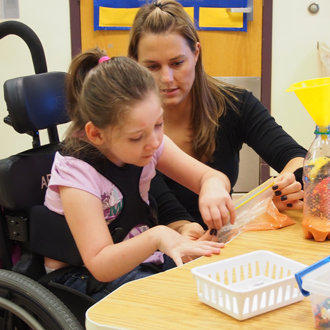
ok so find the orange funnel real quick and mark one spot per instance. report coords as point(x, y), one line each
point(314, 94)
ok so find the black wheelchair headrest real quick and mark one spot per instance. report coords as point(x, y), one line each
point(36, 102)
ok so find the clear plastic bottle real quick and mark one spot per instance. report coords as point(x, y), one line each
point(316, 177)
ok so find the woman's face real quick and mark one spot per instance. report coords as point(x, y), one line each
point(171, 62)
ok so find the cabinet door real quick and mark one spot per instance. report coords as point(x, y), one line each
point(225, 54)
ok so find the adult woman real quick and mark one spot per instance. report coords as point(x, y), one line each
point(206, 118)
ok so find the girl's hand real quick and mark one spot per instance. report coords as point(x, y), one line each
point(180, 248)
point(288, 192)
point(215, 204)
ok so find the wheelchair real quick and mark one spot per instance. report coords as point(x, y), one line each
point(36, 102)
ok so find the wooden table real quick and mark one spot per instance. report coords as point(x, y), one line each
point(169, 300)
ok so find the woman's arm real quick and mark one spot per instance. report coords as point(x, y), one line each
point(261, 132)
point(277, 148)
point(293, 165)
point(171, 213)
point(169, 208)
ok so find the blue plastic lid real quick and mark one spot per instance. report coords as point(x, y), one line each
point(307, 270)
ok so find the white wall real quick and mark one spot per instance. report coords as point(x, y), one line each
point(295, 57)
point(50, 20)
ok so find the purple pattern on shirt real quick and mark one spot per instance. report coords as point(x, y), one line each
point(112, 205)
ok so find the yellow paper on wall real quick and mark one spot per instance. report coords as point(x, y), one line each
point(121, 17)
point(190, 12)
point(219, 18)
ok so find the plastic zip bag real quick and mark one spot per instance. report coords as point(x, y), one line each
point(255, 211)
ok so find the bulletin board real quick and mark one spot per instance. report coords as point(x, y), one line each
point(209, 15)
point(225, 53)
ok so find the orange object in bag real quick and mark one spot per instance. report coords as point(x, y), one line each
point(271, 219)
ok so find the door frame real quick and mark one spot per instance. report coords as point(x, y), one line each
point(266, 70)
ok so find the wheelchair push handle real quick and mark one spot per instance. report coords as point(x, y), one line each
point(31, 39)
point(39, 62)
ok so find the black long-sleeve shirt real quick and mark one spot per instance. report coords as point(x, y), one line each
point(251, 124)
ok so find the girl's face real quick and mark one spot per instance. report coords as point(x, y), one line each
point(171, 62)
point(139, 136)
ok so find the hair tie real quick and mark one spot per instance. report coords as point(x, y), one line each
point(104, 59)
point(158, 4)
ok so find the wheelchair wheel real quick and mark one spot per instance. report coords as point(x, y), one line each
point(26, 304)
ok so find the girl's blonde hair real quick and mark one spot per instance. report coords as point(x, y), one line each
point(103, 93)
point(209, 96)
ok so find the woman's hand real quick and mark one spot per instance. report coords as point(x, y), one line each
point(194, 231)
point(288, 192)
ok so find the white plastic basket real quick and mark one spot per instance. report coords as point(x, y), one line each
point(249, 285)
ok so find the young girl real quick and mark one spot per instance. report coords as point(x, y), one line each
point(101, 179)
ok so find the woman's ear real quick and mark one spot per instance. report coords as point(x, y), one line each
point(197, 51)
point(94, 134)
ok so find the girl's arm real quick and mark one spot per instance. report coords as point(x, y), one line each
point(213, 187)
point(108, 261)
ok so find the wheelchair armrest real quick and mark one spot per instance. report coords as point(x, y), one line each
point(51, 237)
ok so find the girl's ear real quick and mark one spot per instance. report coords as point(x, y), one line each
point(94, 134)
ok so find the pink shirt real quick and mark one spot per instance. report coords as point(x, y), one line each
point(72, 172)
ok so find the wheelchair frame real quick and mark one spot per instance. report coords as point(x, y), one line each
point(24, 302)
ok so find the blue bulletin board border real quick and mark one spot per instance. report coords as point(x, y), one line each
point(196, 4)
